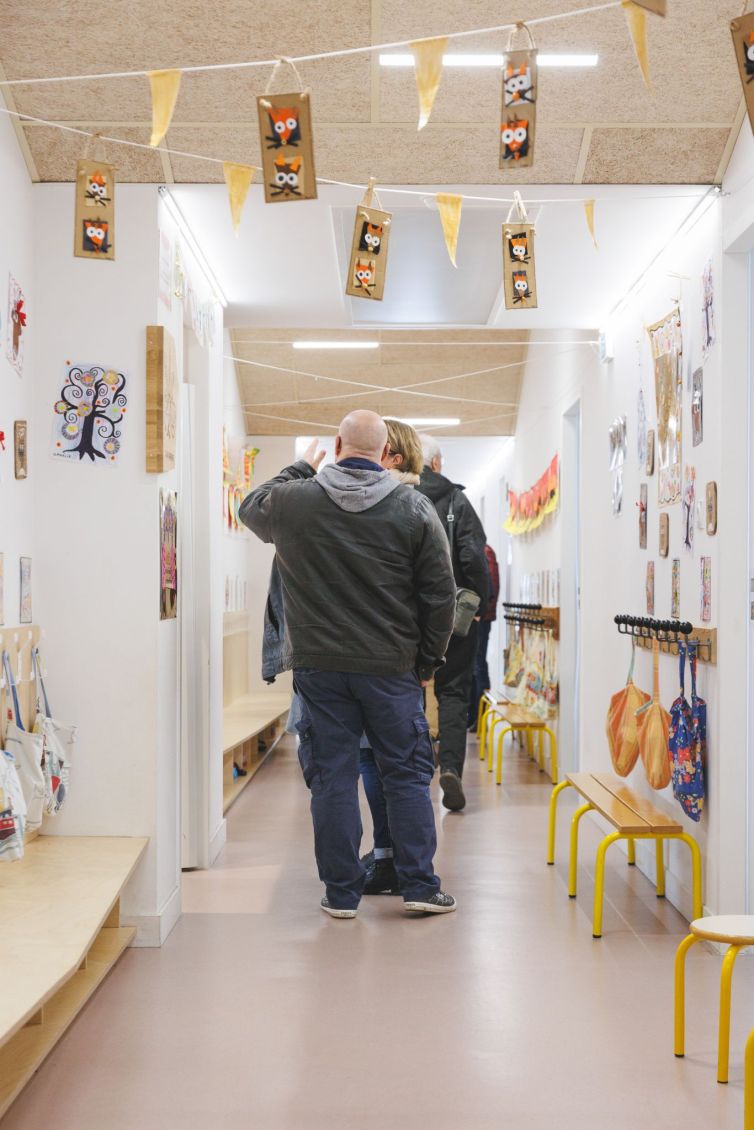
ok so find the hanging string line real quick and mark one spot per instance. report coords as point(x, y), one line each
point(341, 54)
point(399, 344)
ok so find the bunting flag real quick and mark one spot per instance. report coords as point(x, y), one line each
point(428, 55)
point(637, 25)
point(449, 206)
point(528, 510)
point(238, 179)
point(165, 86)
point(589, 213)
point(742, 31)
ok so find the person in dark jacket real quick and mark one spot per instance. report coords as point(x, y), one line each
point(368, 594)
point(481, 680)
point(453, 680)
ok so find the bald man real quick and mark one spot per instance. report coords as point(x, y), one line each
point(369, 601)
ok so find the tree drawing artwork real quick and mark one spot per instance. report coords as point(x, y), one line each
point(92, 404)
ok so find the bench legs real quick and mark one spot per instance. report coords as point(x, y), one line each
point(679, 1025)
point(573, 861)
point(553, 815)
point(749, 1084)
point(660, 868)
point(500, 741)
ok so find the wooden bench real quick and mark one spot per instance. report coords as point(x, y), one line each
point(496, 711)
point(61, 935)
point(634, 818)
point(252, 727)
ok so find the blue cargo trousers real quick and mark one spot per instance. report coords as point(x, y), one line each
point(338, 708)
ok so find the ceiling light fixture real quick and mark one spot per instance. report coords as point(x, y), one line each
point(493, 60)
point(430, 421)
point(335, 344)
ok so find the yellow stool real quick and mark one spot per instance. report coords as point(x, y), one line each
point(737, 932)
point(749, 1084)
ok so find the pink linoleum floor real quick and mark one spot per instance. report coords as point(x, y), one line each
point(260, 1013)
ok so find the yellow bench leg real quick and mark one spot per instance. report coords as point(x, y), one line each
point(631, 846)
point(660, 867)
point(573, 861)
point(553, 814)
point(749, 1084)
point(493, 720)
point(599, 882)
point(483, 729)
point(553, 755)
point(540, 751)
point(479, 713)
point(500, 740)
point(723, 1038)
point(490, 751)
point(679, 1012)
point(529, 744)
point(696, 869)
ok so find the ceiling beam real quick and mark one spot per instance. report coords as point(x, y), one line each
point(730, 144)
point(23, 144)
point(586, 144)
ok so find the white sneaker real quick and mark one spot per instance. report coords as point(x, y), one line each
point(439, 903)
point(337, 911)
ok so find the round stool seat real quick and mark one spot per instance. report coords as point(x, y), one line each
point(731, 929)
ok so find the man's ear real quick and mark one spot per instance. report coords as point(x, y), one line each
point(436, 464)
point(338, 446)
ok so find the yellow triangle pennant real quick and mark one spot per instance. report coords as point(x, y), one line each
point(637, 25)
point(589, 213)
point(165, 86)
point(449, 207)
point(428, 55)
point(238, 179)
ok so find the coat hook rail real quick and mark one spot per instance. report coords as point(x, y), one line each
point(669, 634)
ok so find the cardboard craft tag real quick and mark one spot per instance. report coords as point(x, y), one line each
point(94, 223)
point(519, 109)
point(711, 500)
point(649, 468)
point(664, 533)
point(20, 446)
point(369, 249)
point(742, 31)
point(519, 275)
point(287, 144)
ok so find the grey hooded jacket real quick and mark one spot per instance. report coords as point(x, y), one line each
point(364, 570)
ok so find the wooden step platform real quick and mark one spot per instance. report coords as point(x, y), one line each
point(60, 935)
point(248, 721)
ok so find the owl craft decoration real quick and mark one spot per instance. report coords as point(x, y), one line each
point(519, 109)
point(369, 249)
point(742, 30)
point(94, 230)
point(519, 277)
point(285, 130)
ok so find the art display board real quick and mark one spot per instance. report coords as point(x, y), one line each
point(94, 221)
point(162, 400)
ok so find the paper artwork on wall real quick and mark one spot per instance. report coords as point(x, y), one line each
point(664, 533)
point(697, 407)
point(24, 592)
point(369, 250)
point(689, 504)
point(20, 449)
point(90, 414)
point(2, 588)
point(650, 588)
point(706, 589)
point(708, 309)
point(711, 501)
point(650, 463)
point(643, 516)
point(285, 129)
point(675, 590)
point(519, 109)
point(15, 326)
point(667, 354)
point(618, 442)
point(162, 400)
point(742, 30)
point(617, 492)
point(165, 270)
point(641, 430)
point(528, 510)
point(94, 218)
point(519, 271)
point(168, 554)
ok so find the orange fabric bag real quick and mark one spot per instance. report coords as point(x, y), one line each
point(622, 735)
point(653, 725)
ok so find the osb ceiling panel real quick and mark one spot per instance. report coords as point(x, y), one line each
point(287, 391)
point(58, 152)
point(595, 125)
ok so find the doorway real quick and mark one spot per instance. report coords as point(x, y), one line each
point(570, 590)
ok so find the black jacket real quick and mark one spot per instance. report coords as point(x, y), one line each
point(469, 561)
point(364, 568)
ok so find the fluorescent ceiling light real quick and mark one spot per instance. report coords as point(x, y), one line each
point(335, 344)
point(493, 60)
point(427, 421)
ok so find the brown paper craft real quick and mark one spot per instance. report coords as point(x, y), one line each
point(94, 217)
point(238, 179)
point(449, 206)
point(369, 248)
point(519, 105)
point(519, 274)
point(742, 31)
point(287, 143)
point(428, 55)
point(165, 86)
point(637, 26)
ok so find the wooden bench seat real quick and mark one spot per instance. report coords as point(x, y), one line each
point(60, 937)
point(252, 727)
point(633, 817)
point(496, 712)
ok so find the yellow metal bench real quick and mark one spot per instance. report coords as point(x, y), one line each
point(634, 818)
point(496, 712)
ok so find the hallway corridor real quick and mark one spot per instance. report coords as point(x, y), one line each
point(261, 1013)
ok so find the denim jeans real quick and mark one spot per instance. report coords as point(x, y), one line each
point(481, 680)
point(338, 708)
point(372, 781)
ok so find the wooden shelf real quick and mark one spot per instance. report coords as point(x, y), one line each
point(248, 721)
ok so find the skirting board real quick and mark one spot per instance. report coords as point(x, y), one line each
point(153, 929)
point(217, 842)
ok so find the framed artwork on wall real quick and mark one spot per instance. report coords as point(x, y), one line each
point(650, 464)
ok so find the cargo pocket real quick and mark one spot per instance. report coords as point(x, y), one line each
point(306, 751)
point(424, 758)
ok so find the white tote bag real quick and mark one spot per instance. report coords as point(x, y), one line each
point(27, 752)
point(57, 738)
point(12, 810)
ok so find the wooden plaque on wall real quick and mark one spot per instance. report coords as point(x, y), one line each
point(162, 399)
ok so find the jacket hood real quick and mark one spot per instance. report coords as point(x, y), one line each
point(355, 489)
point(436, 486)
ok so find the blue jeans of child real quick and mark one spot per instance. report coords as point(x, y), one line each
point(338, 708)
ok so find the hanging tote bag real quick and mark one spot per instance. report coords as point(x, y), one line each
point(514, 672)
point(552, 686)
point(27, 751)
point(58, 738)
point(622, 733)
point(533, 683)
point(687, 742)
point(12, 810)
point(653, 726)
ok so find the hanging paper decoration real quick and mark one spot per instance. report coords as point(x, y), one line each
point(658, 7)
point(519, 275)
point(238, 179)
point(637, 25)
point(285, 130)
point(519, 104)
point(667, 353)
point(742, 30)
point(165, 86)
point(15, 326)
point(369, 248)
point(94, 220)
point(449, 206)
point(428, 55)
point(90, 414)
point(528, 510)
point(589, 213)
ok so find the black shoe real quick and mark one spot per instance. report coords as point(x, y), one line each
point(439, 903)
point(337, 911)
point(452, 790)
point(368, 859)
point(382, 879)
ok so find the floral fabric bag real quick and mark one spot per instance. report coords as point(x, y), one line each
point(687, 742)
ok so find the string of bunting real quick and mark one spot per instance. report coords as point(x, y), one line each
point(528, 510)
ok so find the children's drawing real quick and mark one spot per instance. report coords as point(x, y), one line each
point(16, 325)
point(518, 83)
point(706, 589)
point(24, 592)
point(287, 177)
point(90, 414)
point(168, 555)
point(518, 108)
point(697, 408)
point(284, 126)
point(675, 590)
point(650, 588)
point(708, 302)
point(514, 139)
point(667, 352)
point(689, 505)
point(518, 247)
point(95, 236)
point(367, 270)
point(94, 222)
point(371, 238)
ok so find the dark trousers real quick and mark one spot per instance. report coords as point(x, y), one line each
point(338, 708)
point(372, 782)
point(481, 679)
point(453, 690)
